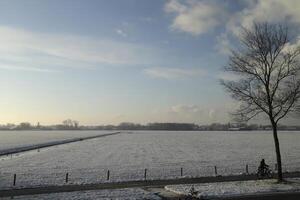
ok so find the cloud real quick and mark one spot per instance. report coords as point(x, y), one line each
point(195, 17)
point(21, 48)
point(227, 76)
point(173, 73)
point(292, 46)
point(223, 45)
point(121, 32)
point(185, 113)
point(185, 109)
point(200, 114)
point(198, 17)
point(26, 68)
point(271, 11)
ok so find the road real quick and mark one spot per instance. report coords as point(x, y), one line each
point(129, 184)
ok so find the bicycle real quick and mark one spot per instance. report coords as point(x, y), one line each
point(265, 172)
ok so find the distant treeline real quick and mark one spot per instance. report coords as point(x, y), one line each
point(74, 125)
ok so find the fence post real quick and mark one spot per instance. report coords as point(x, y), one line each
point(107, 178)
point(67, 177)
point(247, 169)
point(145, 174)
point(216, 171)
point(15, 179)
point(181, 171)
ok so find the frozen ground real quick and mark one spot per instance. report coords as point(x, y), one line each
point(236, 188)
point(14, 139)
point(163, 154)
point(120, 194)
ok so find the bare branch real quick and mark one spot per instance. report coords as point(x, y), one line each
point(269, 75)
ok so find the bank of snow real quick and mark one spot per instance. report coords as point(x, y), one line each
point(236, 188)
point(116, 194)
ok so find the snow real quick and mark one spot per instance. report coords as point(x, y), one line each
point(17, 139)
point(236, 188)
point(163, 153)
point(120, 194)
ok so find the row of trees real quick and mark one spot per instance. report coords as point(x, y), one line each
point(74, 125)
point(158, 126)
point(66, 125)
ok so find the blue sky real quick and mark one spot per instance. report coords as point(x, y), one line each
point(142, 61)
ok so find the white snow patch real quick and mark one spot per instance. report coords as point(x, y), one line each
point(236, 188)
point(119, 194)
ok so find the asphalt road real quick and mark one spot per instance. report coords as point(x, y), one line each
point(136, 184)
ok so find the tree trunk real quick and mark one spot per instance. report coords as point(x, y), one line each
point(277, 148)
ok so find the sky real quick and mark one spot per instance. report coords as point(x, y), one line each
point(112, 61)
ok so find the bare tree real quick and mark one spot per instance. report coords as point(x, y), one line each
point(269, 77)
point(69, 123)
point(76, 124)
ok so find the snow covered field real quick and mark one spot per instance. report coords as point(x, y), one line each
point(236, 188)
point(163, 154)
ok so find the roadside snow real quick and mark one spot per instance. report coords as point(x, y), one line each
point(120, 194)
point(236, 188)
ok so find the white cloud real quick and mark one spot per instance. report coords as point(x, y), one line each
point(292, 46)
point(185, 113)
point(21, 48)
point(198, 17)
point(272, 11)
point(185, 109)
point(228, 76)
point(173, 73)
point(26, 68)
point(121, 32)
point(223, 45)
point(195, 17)
point(200, 114)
